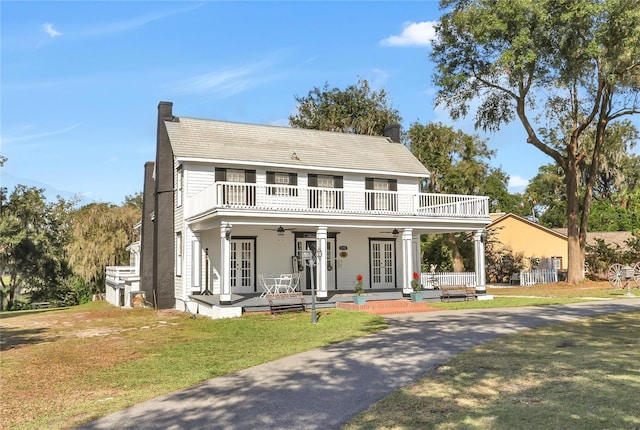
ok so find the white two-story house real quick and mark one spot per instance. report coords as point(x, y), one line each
point(227, 202)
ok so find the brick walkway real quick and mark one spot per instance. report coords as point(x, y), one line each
point(388, 307)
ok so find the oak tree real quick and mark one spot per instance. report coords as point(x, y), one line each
point(357, 109)
point(563, 66)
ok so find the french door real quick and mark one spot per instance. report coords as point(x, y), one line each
point(242, 264)
point(383, 264)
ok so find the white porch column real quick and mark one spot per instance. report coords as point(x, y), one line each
point(321, 262)
point(407, 260)
point(225, 263)
point(417, 266)
point(478, 246)
point(195, 266)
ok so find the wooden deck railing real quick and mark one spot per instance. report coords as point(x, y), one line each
point(116, 276)
point(330, 200)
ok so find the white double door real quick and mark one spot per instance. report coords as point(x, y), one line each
point(383, 263)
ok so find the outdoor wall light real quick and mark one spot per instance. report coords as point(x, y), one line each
point(395, 233)
point(227, 231)
point(280, 231)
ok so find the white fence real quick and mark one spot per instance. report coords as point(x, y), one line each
point(447, 278)
point(532, 277)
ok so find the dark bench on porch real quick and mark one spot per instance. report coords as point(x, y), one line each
point(286, 302)
point(457, 291)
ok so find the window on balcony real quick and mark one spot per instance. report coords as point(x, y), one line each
point(327, 193)
point(238, 188)
point(287, 181)
point(381, 194)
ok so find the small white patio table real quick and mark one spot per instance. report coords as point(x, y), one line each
point(273, 284)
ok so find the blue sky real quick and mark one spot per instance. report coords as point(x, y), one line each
point(81, 81)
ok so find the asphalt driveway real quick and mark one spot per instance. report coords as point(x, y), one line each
point(324, 388)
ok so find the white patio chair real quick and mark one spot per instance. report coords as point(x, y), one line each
point(284, 283)
point(295, 280)
point(268, 285)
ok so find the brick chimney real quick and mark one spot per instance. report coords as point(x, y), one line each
point(164, 240)
point(392, 132)
point(147, 234)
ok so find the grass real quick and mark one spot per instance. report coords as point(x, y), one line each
point(578, 375)
point(64, 367)
point(540, 295)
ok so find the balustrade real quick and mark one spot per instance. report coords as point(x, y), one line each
point(333, 200)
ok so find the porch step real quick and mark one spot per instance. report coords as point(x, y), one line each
point(388, 307)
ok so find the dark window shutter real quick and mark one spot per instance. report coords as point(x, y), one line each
point(313, 180)
point(337, 182)
point(250, 178)
point(393, 185)
point(271, 177)
point(368, 183)
point(221, 174)
point(293, 181)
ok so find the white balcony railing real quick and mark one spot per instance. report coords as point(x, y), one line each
point(233, 195)
point(117, 276)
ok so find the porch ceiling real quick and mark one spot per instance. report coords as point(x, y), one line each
point(419, 224)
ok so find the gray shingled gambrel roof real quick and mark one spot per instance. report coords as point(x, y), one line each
point(207, 139)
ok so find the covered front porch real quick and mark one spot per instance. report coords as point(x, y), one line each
point(231, 248)
point(248, 303)
point(234, 258)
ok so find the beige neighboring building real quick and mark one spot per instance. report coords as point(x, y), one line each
point(528, 238)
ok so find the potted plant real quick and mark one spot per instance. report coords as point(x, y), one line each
point(417, 295)
point(359, 299)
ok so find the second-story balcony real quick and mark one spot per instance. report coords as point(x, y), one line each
point(285, 198)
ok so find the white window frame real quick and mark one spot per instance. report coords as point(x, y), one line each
point(179, 253)
point(179, 185)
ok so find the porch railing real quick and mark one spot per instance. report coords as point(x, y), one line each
point(116, 276)
point(538, 277)
point(447, 278)
point(330, 200)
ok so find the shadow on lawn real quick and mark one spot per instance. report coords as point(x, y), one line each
point(326, 387)
point(15, 337)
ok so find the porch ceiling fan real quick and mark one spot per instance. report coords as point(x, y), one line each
point(280, 230)
point(394, 232)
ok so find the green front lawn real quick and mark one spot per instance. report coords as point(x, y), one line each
point(64, 367)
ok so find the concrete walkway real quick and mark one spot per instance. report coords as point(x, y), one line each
point(326, 387)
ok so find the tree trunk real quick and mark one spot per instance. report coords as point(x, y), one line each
point(457, 260)
point(575, 251)
point(11, 298)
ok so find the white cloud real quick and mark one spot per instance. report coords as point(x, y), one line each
point(6, 140)
point(134, 23)
point(516, 181)
point(226, 83)
point(380, 78)
point(48, 28)
point(413, 34)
